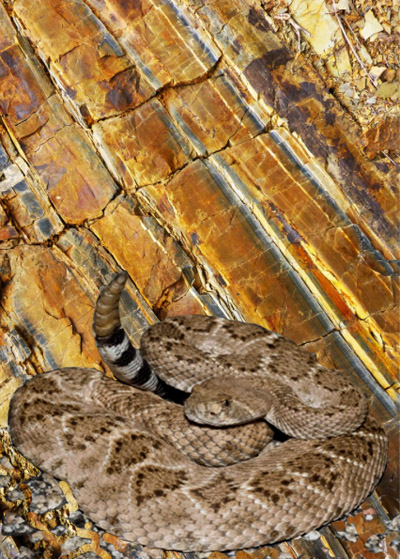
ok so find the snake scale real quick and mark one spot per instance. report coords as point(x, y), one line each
point(141, 470)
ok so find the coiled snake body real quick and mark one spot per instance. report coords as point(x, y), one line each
point(142, 471)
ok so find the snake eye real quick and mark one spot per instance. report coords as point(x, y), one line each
point(227, 403)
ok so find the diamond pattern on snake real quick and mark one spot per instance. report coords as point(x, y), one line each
point(175, 453)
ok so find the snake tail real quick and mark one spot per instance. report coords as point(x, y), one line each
point(116, 350)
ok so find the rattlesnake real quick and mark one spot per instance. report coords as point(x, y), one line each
point(128, 454)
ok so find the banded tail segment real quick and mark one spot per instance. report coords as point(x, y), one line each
point(116, 350)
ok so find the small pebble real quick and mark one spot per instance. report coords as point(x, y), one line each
point(58, 530)
point(375, 543)
point(394, 524)
point(111, 550)
point(89, 555)
point(312, 536)
point(4, 461)
point(14, 524)
point(350, 533)
point(36, 536)
point(395, 544)
point(15, 495)
point(369, 514)
point(73, 543)
point(388, 75)
point(137, 552)
point(25, 553)
point(46, 494)
point(4, 480)
point(77, 518)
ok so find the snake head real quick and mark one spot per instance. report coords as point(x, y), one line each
point(220, 401)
